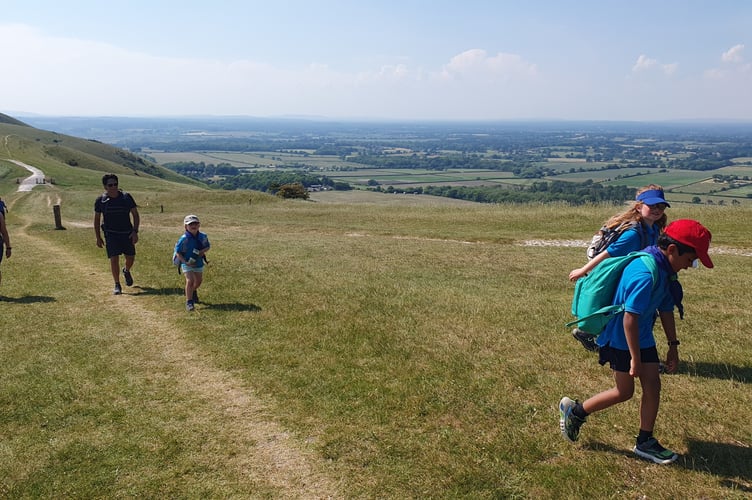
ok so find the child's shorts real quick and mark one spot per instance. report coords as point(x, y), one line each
point(191, 269)
point(620, 360)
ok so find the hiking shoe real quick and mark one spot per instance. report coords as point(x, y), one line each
point(195, 297)
point(189, 306)
point(569, 422)
point(652, 450)
point(128, 277)
point(587, 340)
point(117, 290)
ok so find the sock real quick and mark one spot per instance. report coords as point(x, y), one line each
point(579, 411)
point(644, 436)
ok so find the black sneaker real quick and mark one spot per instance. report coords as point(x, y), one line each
point(117, 290)
point(569, 422)
point(128, 277)
point(652, 450)
point(587, 340)
point(195, 297)
point(189, 306)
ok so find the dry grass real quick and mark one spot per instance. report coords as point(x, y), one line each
point(352, 349)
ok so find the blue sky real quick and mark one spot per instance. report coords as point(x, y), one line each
point(407, 60)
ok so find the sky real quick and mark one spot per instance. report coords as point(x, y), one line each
point(633, 60)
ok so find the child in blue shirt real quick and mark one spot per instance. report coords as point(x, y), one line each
point(627, 343)
point(189, 252)
point(648, 212)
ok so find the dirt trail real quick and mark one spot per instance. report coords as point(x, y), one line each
point(264, 450)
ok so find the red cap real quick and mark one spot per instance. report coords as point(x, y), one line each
point(693, 234)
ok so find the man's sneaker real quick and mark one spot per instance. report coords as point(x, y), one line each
point(569, 422)
point(652, 450)
point(195, 297)
point(189, 306)
point(587, 340)
point(117, 290)
point(128, 277)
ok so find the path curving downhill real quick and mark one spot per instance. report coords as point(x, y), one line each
point(36, 177)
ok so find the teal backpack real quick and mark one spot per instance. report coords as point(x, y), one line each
point(594, 294)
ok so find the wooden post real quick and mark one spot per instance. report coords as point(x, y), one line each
point(58, 218)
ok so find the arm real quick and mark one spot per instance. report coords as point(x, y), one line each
point(632, 333)
point(4, 234)
point(136, 224)
point(98, 228)
point(576, 274)
point(668, 321)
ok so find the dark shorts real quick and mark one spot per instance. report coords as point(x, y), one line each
point(117, 244)
point(620, 360)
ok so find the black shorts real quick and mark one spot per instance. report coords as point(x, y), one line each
point(620, 360)
point(117, 243)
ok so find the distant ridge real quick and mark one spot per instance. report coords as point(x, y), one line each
point(42, 147)
point(12, 121)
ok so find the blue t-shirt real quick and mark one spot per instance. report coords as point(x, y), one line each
point(631, 240)
point(636, 292)
point(188, 243)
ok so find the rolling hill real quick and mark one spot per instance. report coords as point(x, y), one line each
point(56, 154)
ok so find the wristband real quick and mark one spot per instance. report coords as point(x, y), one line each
point(673, 342)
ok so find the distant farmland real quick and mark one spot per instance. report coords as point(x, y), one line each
point(684, 185)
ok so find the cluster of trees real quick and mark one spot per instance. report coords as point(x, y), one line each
point(542, 192)
point(272, 181)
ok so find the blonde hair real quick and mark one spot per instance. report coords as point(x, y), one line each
point(632, 214)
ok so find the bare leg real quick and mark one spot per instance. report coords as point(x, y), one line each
point(650, 380)
point(115, 268)
point(622, 392)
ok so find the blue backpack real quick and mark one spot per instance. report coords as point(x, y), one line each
point(592, 303)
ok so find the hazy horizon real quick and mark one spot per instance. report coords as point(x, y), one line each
point(414, 60)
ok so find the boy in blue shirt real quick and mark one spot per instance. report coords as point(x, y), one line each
point(189, 252)
point(627, 343)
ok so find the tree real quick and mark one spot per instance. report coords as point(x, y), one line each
point(295, 190)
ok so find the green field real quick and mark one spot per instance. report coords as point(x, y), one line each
point(357, 345)
point(681, 185)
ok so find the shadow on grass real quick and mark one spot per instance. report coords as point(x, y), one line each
point(727, 461)
point(226, 306)
point(28, 299)
point(169, 290)
point(230, 306)
point(721, 371)
point(722, 459)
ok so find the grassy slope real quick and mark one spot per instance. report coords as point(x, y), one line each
point(358, 349)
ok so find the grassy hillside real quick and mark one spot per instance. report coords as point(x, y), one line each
point(68, 160)
point(346, 347)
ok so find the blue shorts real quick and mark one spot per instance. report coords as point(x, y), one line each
point(191, 269)
point(620, 360)
point(117, 243)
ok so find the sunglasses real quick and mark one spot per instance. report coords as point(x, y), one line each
point(109, 185)
point(659, 206)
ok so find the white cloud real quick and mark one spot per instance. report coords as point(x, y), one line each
point(733, 55)
point(476, 63)
point(645, 63)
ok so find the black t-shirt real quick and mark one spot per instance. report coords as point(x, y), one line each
point(116, 212)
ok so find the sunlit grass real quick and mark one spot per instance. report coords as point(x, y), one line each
point(409, 351)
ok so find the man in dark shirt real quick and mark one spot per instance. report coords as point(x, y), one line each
point(121, 235)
